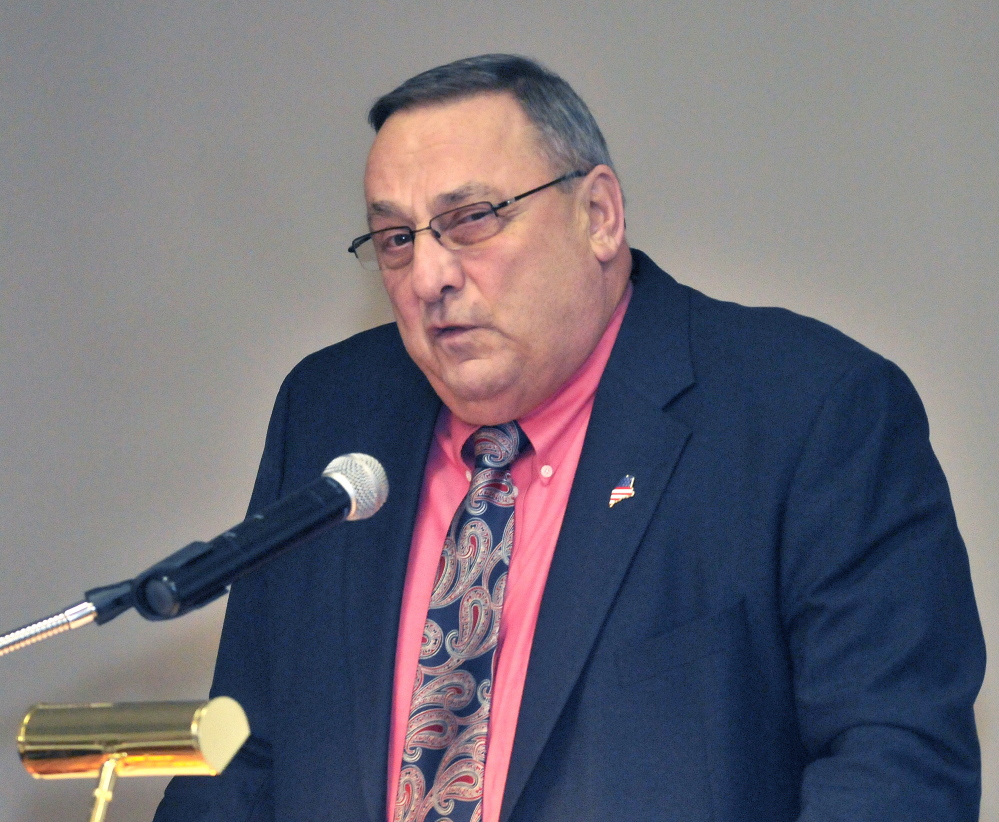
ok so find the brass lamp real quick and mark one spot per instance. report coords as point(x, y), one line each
point(108, 740)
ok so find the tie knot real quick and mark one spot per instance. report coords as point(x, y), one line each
point(496, 446)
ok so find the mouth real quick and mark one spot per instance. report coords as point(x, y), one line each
point(448, 332)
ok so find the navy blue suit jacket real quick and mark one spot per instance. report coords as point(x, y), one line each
point(779, 625)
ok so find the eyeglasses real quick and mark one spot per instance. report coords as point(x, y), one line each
point(391, 248)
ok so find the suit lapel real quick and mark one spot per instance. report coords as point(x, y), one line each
point(376, 570)
point(629, 433)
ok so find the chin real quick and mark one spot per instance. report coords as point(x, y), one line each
point(479, 404)
point(478, 380)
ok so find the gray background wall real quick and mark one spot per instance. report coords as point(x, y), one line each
point(179, 182)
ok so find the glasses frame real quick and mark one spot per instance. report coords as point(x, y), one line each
point(440, 236)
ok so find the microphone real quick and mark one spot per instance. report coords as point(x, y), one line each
point(353, 487)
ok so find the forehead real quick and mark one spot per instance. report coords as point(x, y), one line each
point(436, 155)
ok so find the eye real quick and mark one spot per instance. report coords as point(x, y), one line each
point(392, 240)
point(472, 215)
point(471, 224)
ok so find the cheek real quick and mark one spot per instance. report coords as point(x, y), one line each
point(546, 305)
point(406, 310)
point(401, 298)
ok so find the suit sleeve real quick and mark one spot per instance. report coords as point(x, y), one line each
point(242, 793)
point(878, 609)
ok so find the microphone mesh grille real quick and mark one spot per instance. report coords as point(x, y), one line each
point(363, 477)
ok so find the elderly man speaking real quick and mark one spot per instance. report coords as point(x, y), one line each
point(647, 555)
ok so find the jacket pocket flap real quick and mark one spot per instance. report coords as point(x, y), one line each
point(682, 645)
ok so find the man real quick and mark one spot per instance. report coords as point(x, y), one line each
point(716, 576)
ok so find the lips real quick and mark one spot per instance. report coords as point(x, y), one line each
point(443, 331)
point(456, 331)
point(458, 340)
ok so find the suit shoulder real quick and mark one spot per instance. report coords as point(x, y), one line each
point(728, 331)
point(362, 379)
point(774, 345)
point(761, 324)
point(783, 372)
point(765, 358)
point(354, 357)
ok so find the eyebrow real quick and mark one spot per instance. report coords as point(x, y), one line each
point(462, 194)
point(382, 208)
point(474, 192)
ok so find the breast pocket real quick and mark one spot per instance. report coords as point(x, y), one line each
point(683, 645)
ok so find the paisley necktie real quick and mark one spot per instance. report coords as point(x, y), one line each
point(444, 756)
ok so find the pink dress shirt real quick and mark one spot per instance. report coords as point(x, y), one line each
point(543, 477)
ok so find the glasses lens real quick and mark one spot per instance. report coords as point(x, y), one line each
point(387, 248)
point(467, 225)
point(393, 247)
point(364, 250)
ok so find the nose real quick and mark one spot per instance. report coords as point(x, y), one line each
point(434, 270)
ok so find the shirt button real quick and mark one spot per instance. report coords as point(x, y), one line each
point(547, 471)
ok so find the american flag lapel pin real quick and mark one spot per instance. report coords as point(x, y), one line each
point(623, 490)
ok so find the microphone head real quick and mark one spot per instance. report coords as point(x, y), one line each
point(364, 479)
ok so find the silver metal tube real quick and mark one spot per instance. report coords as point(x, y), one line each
point(82, 613)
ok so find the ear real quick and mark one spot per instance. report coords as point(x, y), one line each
point(605, 208)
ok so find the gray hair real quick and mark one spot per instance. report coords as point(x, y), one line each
point(570, 137)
